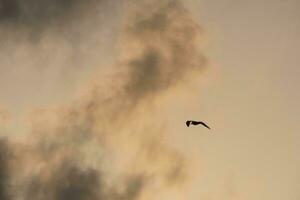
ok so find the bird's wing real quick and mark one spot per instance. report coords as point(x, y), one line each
point(205, 125)
point(188, 123)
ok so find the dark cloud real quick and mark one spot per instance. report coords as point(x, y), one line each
point(93, 149)
point(4, 170)
point(66, 182)
point(168, 40)
point(70, 19)
point(70, 181)
point(37, 12)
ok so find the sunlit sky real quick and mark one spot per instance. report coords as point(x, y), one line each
point(251, 101)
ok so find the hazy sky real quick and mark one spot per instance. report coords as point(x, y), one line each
point(116, 89)
point(252, 102)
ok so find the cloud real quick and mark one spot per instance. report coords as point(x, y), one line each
point(70, 181)
point(4, 170)
point(33, 20)
point(108, 143)
point(166, 42)
point(35, 13)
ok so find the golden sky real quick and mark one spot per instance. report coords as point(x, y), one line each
point(94, 96)
point(253, 104)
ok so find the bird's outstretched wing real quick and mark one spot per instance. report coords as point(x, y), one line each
point(205, 125)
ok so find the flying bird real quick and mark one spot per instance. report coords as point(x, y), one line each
point(189, 122)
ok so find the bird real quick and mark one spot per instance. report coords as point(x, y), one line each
point(189, 122)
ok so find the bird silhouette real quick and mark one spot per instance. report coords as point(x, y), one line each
point(189, 122)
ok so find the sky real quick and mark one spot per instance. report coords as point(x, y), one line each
point(99, 91)
point(253, 101)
